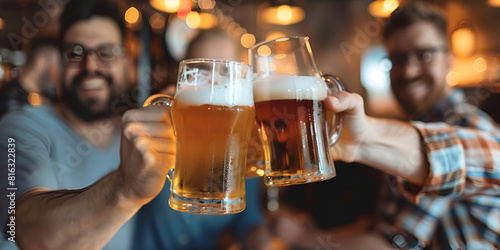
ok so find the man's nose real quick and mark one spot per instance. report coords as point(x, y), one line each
point(410, 70)
point(90, 62)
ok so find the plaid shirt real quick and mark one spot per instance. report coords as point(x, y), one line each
point(459, 205)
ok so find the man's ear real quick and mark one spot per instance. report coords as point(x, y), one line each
point(39, 64)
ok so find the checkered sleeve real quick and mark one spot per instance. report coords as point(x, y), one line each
point(458, 158)
point(458, 206)
point(462, 190)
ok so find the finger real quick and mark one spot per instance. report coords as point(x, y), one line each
point(143, 145)
point(156, 152)
point(342, 101)
point(150, 129)
point(162, 145)
point(147, 114)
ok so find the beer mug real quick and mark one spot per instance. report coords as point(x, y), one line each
point(289, 93)
point(212, 114)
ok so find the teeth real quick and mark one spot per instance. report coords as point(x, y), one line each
point(418, 90)
point(93, 84)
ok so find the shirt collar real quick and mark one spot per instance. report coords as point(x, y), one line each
point(439, 111)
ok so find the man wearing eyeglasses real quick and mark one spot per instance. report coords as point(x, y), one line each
point(74, 175)
point(452, 208)
point(447, 191)
point(78, 172)
point(448, 203)
point(89, 92)
point(418, 49)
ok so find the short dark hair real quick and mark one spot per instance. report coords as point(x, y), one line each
point(77, 10)
point(413, 13)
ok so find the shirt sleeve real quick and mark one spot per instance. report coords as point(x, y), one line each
point(24, 153)
point(460, 160)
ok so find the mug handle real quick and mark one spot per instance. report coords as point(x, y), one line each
point(166, 101)
point(334, 85)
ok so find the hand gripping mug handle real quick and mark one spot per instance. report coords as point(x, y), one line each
point(334, 85)
point(166, 101)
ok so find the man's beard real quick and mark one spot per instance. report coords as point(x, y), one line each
point(410, 105)
point(82, 109)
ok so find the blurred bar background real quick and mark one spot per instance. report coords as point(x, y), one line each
point(345, 36)
point(346, 40)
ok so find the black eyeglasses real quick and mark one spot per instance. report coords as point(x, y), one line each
point(419, 56)
point(106, 53)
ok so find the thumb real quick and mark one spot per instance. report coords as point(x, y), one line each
point(343, 101)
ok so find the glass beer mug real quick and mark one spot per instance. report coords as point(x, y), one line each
point(289, 93)
point(212, 114)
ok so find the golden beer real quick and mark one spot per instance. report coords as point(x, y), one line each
point(212, 115)
point(212, 143)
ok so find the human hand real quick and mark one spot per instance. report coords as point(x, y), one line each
point(384, 144)
point(354, 124)
point(147, 152)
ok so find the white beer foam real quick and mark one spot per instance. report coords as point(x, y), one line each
point(235, 94)
point(284, 86)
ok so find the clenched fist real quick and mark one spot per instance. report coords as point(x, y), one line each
point(147, 152)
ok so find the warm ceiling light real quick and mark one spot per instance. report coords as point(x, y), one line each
point(247, 40)
point(382, 8)
point(157, 22)
point(35, 99)
point(170, 6)
point(193, 20)
point(479, 64)
point(207, 21)
point(206, 4)
point(494, 3)
point(264, 50)
point(463, 42)
point(283, 14)
point(452, 78)
point(132, 15)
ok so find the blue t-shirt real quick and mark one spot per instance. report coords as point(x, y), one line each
point(48, 153)
point(160, 227)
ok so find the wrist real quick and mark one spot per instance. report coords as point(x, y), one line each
point(123, 194)
point(367, 140)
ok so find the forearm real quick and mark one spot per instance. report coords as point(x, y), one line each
point(396, 148)
point(73, 219)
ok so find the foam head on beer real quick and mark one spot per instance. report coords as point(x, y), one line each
point(289, 87)
point(215, 89)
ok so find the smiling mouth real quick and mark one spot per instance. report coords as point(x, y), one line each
point(416, 90)
point(93, 84)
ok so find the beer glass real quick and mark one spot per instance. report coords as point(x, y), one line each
point(212, 113)
point(289, 93)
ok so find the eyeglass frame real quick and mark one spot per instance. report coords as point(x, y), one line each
point(412, 57)
point(86, 52)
